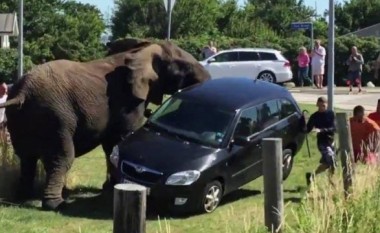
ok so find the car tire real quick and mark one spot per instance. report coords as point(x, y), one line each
point(287, 163)
point(211, 197)
point(267, 76)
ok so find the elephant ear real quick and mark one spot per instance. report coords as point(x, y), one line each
point(143, 72)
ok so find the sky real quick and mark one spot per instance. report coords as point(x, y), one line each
point(106, 5)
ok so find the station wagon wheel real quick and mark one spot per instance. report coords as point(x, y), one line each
point(211, 196)
point(267, 76)
point(287, 163)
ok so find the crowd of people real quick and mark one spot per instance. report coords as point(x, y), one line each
point(365, 132)
point(316, 61)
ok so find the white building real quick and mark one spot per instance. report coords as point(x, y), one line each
point(8, 27)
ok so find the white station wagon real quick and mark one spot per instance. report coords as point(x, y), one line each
point(256, 63)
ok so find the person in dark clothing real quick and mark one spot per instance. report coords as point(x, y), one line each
point(323, 123)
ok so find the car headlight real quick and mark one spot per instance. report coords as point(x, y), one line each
point(183, 178)
point(114, 157)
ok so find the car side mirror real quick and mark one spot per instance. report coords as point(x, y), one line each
point(211, 60)
point(148, 113)
point(240, 141)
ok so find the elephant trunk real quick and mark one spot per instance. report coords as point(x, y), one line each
point(18, 100)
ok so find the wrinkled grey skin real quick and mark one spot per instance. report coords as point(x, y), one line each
point(63, 109)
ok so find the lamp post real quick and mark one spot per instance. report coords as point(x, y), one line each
point(20, 70)
point(331, 62)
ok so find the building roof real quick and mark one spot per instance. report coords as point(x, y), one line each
point(234, 93)
point(8, 24)
point(373, 30)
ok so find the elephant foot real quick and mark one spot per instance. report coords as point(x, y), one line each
point(108, 185)
point(53, 204)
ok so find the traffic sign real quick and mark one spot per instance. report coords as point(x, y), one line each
point(169, 4)
point(301, 25)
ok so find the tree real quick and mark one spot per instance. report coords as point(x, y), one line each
point(147, 18)
point(353, 15)
point(59, 29)
point(279, 14)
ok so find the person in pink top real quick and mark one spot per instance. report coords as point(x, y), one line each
point(303, 66)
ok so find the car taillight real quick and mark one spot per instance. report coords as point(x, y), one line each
point(287, 64)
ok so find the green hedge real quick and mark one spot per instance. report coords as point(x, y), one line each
point(369, 47)
point(9, 64)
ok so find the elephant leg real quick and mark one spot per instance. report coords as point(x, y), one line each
point(111, 180)
point(56, 167)
point(28, 165)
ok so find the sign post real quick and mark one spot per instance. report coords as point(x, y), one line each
point(306, 26)
point(331, 62)
point(20, 69)
point(169, 4)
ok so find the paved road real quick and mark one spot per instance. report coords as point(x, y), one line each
point(341, 98)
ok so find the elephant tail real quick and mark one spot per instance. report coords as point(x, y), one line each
point(18, 100)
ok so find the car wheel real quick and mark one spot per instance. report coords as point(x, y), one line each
point(267, 76)
point(212, 195)
point(287, 163)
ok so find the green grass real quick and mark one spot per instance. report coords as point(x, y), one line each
point(91, 212)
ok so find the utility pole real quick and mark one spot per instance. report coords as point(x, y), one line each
point(331, 51)
point(20, 70)
point(169, 18)
point(169, 4)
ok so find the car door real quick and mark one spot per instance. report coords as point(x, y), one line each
point(269, 119)
point(242, 160)
point(267, 61)
point(223, 65)
point(248, 64)
point(289, 121)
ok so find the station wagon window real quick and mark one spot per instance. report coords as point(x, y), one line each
point(269, 113)
point(248, 123)
point(286, 108)
point(248, 56)
point(268, 56)
point(227, 57)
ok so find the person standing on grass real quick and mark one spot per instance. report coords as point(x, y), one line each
point(362, 130)
point(355, 66)
point(209, 50)
point(323, 123)
point(303, 65)
point(318, 63)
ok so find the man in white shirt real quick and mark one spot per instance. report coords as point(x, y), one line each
point(3, 98)
point(318, 63)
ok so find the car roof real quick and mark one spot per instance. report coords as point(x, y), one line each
point(234, 93)
point(251, 50)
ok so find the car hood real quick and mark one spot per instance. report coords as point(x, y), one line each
point(165, 153)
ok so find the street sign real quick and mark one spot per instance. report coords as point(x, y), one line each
point(169, 3)
point(301, 25)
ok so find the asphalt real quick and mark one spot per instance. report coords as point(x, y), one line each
point(368, 99)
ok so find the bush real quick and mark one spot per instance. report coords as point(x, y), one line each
point(9, 64)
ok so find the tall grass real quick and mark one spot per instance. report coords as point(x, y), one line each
point(325, 210)
point(10, 168)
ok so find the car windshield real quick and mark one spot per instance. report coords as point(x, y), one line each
point(192, 120)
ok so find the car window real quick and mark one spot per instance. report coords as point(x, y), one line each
point(268, 114)
point(247, 123)
point(226, 57)
point(193, 120)
point(268, 56)
point(286, 108)
point(248, 56)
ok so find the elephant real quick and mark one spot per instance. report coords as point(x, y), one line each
point(63, 109)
